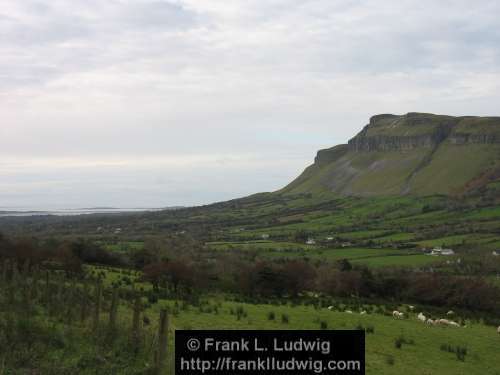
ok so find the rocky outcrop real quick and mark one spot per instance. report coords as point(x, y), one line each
point(419, 130)
point(392, 143)
point(466, 138)
point(331, 154)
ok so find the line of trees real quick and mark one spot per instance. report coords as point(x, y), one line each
point(292, 278)
point(186, 272)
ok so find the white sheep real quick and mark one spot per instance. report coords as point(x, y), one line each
point(411, 307)
point(397, 314)
point(451, 312)
point(421, 317)
point(330, 308)
point(498, 330)
point(443, 321)
point(348, 311)
point(430, 322)
point(362, 312)
point(454, 324)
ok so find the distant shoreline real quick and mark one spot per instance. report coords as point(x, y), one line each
point(9, 212)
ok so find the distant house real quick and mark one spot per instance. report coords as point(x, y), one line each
point(329, 238)
point(310, 241)
point(441, 251)
point(346, 244)
point(264, 236)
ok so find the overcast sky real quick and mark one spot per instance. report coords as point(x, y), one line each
point(155, 103)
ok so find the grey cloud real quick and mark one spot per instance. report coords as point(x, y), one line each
point(104, 80)
point(155, 14)
point(83, 36)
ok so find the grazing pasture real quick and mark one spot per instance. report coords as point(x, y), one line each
point(392, 345)
point(422, 356)
point(367, 256)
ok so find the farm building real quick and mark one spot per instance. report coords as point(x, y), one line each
point(441, 251)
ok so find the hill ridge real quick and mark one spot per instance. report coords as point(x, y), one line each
point(415, 153)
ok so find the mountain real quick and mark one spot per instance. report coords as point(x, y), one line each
point(413, 154)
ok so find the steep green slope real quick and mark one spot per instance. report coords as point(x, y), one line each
point(416, 154)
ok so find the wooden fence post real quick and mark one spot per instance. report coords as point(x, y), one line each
point(26, 268)
point(5, 265)
point(4, 281)
point(70, 298)
point(136, 330)
point(13, 283)
point(60, 284)
point(35, 286)
point(162, 342)
point(113, 311)
point(84, 301)
point(97, 306)
point(15, 273)
point(47, 290)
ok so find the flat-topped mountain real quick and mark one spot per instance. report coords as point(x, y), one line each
point(416, 154)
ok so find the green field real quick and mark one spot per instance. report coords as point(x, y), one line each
point(364, 256)
point(417, 260)
point(423, 357)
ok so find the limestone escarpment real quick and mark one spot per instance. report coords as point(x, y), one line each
point(464, 138)
point(422, 130)
point(392, 143)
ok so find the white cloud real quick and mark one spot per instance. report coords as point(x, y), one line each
point(99, 81)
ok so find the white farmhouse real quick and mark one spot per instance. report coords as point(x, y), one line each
point(440, 251)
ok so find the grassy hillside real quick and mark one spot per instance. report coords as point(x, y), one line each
point(63, 326)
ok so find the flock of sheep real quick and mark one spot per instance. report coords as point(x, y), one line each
point(431, 322)
point(445, 322)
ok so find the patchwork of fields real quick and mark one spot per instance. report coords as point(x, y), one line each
point(387, 235)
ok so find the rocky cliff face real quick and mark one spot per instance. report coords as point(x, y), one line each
point(324, 157)
point(392, 143)
point(421, 130)
point(464, 138)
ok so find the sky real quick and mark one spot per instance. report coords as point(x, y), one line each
point(138, 103)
